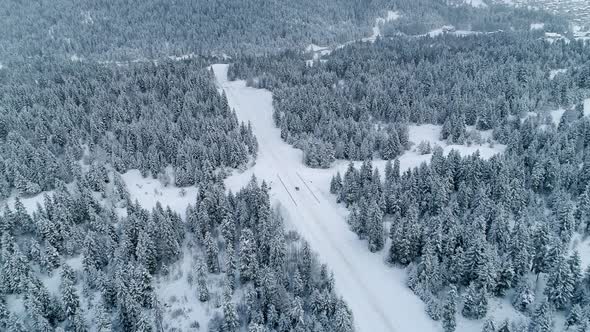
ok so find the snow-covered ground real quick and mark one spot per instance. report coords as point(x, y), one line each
point(375, 292)
point(432, 133)
point(580, 33)
point(556, 115)
point(319, 51)
point(552, 37)
point(149, 191)
point(30, 202)
point(476, 3)
point(582, 245)
point(391, 16)
point(182, 309)
point(76, 58)
point(537, 26)
point(449, 29)
point(578, 11)
point(555, 72)
point(442, 30)
point(315, 48)
point(310, 63)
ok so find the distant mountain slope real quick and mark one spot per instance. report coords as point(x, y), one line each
point(130, 30)
point(576, 10)
point(148, 28)
point(422, 16)
point(474, 3)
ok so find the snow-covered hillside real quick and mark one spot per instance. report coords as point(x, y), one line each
point(391, 16)
point(319, 51)
point(476, 3)
point(577, 10)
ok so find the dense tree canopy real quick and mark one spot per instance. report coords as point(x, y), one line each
point(486, 226)
point(147, 117)
point(360, 99)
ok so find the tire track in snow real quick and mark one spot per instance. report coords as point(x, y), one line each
point(308, 188)
point(287, 190)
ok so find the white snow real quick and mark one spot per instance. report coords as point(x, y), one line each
point(87, 18)
point(552, 37)
point(391, 16)
point(556, 115)
point(476, 3)
point(76, 58)
point(375, 292)
point(310, 63)
point(463, 33)
point(587, 107)
point(15, 304)
point(318, 52)
point(435, 32)
point(149, 191)
point(448, 29)
point(537, 26)
point(322, 53)
point(179, 299)
point(582, 245)
point(555, 72)
point(1, 66)
point(580, 34)
point(29, 202)
point(315, 48)
point(499, 309)
point(182, 57)
point(52, 281)
point(431, 134)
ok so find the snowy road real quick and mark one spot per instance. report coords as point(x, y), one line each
point(376, 293)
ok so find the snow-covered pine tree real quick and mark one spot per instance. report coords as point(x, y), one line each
point(488, 326)
point(212, 254)
point(524, 296)
point(375, 227)
point(542, 319)
point(560, 285)
point(475, 305)
point(450, 310)
point(202, 289)
point(248, 265)
point(336, 184)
